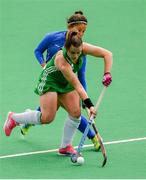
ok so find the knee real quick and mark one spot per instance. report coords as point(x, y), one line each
point(76, 112)
point(46, 118)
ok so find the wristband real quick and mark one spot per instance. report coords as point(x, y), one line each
point(83, 104)
point(88, 103)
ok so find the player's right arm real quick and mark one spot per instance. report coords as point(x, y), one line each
point(71, 77)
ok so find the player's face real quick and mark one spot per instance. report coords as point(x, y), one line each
point(74, 53)
point(80, 28)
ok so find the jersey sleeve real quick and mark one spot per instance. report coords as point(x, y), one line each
point(42, 47)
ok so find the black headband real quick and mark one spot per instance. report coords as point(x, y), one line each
point(77, 22)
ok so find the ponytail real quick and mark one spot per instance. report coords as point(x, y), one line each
point(73, 39)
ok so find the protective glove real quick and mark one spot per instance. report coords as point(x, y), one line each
point(107, 79)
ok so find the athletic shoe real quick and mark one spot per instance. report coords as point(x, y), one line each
point(96, 143)
point(25, 128)
point(68, 150)
point(9, 124)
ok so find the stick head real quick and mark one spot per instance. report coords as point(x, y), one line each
point(74, 158)
point(104, 161)
point(77, 158)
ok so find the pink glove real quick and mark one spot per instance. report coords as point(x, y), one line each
point(107, 79)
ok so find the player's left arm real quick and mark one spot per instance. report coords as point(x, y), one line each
point(99, 52)
point(108, 60)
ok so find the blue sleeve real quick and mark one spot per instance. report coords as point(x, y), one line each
point(42, 47)
point(82, 74)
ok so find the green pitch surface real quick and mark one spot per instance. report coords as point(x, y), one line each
point(118, 25)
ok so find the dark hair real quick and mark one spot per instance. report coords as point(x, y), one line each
point(77, 18)
point(72, 39)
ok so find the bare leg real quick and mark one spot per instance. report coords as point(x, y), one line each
point(49, 105)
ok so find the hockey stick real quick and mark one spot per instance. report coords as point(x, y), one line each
point(91, 121)
point(103, 150)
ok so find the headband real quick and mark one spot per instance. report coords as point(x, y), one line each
point(77, 22)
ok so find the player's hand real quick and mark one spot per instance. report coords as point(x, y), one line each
point(107, 79)
point(92, 112)
point(90, 108)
